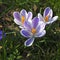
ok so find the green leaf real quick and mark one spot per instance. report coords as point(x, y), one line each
point(19, 57)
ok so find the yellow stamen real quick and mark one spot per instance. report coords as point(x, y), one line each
point(22, 19)
point(46, 19)
point(33, 30)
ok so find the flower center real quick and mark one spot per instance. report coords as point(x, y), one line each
point(33, 30)
point(46, 19)
point(22, 19)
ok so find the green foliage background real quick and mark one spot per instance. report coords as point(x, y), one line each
point(45, 48)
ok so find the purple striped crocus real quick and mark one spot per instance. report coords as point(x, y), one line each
point(47, 16)
point(20, 18)
point(32, 30)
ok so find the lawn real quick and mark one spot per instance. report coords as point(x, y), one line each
point(12, 44)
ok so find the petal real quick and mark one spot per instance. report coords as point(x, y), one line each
point(23, 13)
point(29, 42)
point(29, 18)
point(0, 37)
point(40, 34)
point(48, 22)
point(21, 27)
point(54, 19)
point(50, 14)
point(46, 11)
point(40, 27)
point(17, 22)
point(1, 32)
point(30, 15)
point(25, 33)
point(16, 15)
point(35, 22)
point(40, 17)
point(27, 25)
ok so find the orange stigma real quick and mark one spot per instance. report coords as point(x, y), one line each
point(33, 30)
point(46, 19)
point(22, 19)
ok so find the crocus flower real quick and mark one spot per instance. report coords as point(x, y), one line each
point(47, 16)
point(1, 33)
point(20, 18)
point(34, 29)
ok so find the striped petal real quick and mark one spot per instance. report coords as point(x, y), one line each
point(25, 33)
point(46, 11)
point(23, 13)
point(50, 14)
point(28, 25)
point(30, 15)
point(41, 27)
point(29, 42)
point(41, 34)
point(17, 22)
point(16, 15)
point(35, 22)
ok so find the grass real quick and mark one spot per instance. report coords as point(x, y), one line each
point(45, 48)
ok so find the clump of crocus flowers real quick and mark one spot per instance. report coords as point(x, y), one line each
point(33, 27)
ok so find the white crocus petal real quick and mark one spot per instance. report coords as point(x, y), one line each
point(54, 19)
point(41, 34)
point(40, 17)
point(30, 21)
point(17, 22)
point(21, 27)
point(51, 14)
point(29, 18)
point(42, 25)
point(48, 22)
point(26, 17)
